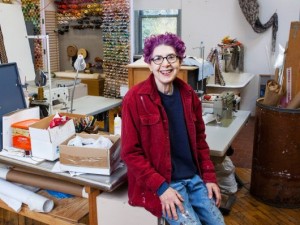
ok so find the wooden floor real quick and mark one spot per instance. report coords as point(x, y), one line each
point(248, 211)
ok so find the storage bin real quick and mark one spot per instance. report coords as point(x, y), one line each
point(275, 176)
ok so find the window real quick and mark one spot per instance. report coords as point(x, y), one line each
point(149, 22)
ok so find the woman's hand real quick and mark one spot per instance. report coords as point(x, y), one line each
point(214, 190)
point(171, 199)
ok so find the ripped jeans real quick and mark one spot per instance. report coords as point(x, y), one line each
point(199, 209)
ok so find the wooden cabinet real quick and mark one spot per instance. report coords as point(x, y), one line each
point(95, 86)
point(138, 72)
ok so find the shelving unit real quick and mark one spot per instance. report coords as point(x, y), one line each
point(116, 45)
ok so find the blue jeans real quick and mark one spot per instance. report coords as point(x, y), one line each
point(199, 209)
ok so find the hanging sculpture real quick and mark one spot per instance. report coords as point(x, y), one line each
point(250, 9)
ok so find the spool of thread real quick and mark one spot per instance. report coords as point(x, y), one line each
point(40, 93)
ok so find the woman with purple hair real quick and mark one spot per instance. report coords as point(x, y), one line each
point(170, 173)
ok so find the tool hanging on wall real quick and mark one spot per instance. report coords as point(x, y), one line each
point(82, 52)
point(72, 53)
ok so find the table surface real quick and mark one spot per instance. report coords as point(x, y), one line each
point(101, 182)
point(92, 105)
point(220, 138)
point(87, 105)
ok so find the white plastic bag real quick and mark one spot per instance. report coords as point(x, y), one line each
point(225, 172)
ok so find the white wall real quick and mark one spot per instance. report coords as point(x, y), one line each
point(15, 41)
point(208, 21)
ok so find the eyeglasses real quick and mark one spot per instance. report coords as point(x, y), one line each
point(158, 60)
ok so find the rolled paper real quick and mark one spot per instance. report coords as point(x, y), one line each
point(42, 182)
point(34, 201)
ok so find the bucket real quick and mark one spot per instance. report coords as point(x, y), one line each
point(275, 175)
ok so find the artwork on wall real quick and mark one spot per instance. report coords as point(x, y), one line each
point(250, 9)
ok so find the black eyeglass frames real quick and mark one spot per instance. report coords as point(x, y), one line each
point(158, 60)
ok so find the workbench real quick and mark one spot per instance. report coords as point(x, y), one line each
point(94, 184)
point(219, 139)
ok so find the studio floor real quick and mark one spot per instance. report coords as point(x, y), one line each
point(247, 210)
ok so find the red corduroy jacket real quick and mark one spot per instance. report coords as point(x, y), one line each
point(145, 144)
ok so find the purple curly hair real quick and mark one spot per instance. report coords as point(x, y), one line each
point(168, 39)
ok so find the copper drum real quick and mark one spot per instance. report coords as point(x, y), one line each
point(275, 177)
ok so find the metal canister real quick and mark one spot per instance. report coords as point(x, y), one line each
point(275, 175)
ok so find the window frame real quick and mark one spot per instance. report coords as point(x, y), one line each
point(138, 15)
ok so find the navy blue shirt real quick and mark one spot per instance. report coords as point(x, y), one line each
point(183, 165)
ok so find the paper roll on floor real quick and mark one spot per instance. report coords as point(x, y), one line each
point(43, 182)
point(34, 201)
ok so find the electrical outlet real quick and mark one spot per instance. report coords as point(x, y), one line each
point(60, 94)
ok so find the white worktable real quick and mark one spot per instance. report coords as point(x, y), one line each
point(220, 138)
point(92, 105)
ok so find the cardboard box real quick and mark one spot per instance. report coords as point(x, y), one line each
point(113, 209)
point(90, 160)
point(45, 142)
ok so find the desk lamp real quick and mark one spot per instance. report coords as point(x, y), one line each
point(79, 65)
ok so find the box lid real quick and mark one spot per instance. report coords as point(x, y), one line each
point(24, 124)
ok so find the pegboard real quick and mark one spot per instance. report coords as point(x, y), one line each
point(116, 40)
point(31, 10)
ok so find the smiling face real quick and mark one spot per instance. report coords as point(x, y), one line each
point(166, 72)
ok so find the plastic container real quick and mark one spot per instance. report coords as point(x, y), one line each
point(218, 106)
point(117, 125)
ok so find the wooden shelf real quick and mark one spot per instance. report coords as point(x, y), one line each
point(67, 211)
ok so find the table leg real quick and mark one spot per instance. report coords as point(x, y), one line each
point(93, 193)
point(106, 121)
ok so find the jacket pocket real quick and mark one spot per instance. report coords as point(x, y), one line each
point(149, 120)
